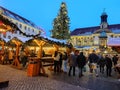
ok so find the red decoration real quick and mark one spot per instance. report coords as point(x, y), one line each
point(116, 48)
point(1, 22)
point(4, 33)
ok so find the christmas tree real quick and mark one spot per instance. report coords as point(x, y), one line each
point(61, 24)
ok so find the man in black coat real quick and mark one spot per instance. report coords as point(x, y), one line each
point(115, 59)
point(108, 65)
point(93, 61)
point(81, 61)
point(101, 64)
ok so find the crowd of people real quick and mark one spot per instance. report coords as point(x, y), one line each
point(67, 63)
point(96, 62)
point(8, 55)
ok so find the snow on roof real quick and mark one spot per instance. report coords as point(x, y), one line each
point(53, 39)
point(24, 39)
point(83, 47)
point(21, 38)
point(6, 39)
point(113, 42)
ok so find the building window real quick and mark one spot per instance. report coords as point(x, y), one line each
point(39, 32)
point(28, 29)
point(25, 27)
point(16, 23)
point(9, 37)
point(20, 25)
point(112, 36)
point(33, 30)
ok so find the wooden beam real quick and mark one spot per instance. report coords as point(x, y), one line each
point(56, 47)
point(16, 62)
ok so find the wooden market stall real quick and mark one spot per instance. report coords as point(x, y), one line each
point(47, 60)
point(16, 43)
point(5, 26)
point(2, 44)
point(35, 66)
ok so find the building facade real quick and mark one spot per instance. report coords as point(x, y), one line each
point(95, 37)
point(26, 26)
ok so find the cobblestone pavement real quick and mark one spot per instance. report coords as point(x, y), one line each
point(18, 80)
point(90, 80)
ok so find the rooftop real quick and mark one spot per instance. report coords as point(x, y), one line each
point(115, 28)
point(15, 16)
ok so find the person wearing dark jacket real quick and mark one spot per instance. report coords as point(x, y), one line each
point(115, 59)
point(56, 62)
point(72, 62)
point(81, 61)
point(93, 61)
point(60, 62)
point(101, 64)
point(108, 65)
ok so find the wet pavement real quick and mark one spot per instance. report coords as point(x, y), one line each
point(89, 80)
point(18, 80)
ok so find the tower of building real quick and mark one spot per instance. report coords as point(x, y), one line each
point(104, 23)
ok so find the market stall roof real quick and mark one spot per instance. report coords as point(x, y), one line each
point(113, 42)
point(15, 16)
point(7, 25)
point(44, 38)
point(11, 15)
point(84, 47)
point(24, 39)
point(48, 40)
point(13, 41)
point(58, 42)
point(53, 39)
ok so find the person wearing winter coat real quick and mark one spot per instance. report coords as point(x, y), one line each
point(115, 59)
point(108, 63)
point(72, 62)
point(65, 62)
point(56, 61)
point(101, 64)
point(81, 61)
point(93, 61)
point(60, 61)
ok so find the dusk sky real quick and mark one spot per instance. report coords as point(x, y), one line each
point(82, 13)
